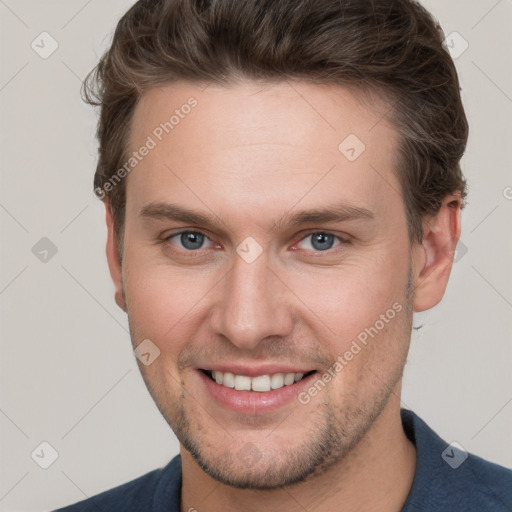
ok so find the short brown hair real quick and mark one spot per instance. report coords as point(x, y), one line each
point(391, 47)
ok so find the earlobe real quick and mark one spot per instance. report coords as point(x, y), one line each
point(113, 259)
point(435, 260)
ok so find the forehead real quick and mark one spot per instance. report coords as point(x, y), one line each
point(249, 146)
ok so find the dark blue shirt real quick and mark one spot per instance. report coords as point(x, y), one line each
point(447, 479)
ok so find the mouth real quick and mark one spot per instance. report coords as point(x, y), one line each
point(253, 391)
point(260, 383)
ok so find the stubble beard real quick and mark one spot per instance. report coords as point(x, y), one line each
point(334, 433)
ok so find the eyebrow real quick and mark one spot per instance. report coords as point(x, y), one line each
point(335, 213)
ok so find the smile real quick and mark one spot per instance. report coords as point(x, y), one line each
point(260, 383)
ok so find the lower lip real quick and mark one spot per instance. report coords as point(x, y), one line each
point(254, 402)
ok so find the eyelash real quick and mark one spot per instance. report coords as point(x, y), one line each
point(195, 253)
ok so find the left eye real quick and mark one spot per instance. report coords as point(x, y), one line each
point(320, 241)
point(190, 240)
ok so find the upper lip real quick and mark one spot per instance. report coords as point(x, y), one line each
point(255, 371)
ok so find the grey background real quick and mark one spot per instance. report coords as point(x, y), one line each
point(68, 375)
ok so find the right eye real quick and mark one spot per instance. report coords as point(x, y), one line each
point(190, 241)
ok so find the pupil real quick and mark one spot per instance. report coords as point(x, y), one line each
point(322, 241)
point(192, 240)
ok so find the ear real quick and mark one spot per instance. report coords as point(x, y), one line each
point(114, 261)
point(433, 259)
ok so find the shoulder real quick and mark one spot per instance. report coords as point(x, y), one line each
point(449, 478)
point(146, 493)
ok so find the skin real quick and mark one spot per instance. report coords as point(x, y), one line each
point(247, 155)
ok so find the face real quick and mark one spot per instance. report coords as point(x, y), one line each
point(266, 256)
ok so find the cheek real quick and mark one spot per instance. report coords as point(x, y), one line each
point(162, 300)
point(162, 307)
point(367, 337)
point(361, 320)
point(346, 300)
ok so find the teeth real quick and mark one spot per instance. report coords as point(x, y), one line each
point(261, 383)
point(289, 378)
point(277, 381)
point(242, 383)
point(228, 379)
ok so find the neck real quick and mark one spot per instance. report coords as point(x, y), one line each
point(376, 475)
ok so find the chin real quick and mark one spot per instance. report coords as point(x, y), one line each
point(267, 465)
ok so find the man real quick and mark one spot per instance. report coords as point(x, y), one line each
point(283, 190)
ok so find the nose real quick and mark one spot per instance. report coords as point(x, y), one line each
point(253, 304)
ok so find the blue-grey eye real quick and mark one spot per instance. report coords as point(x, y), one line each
point(191, 240)
point(322, 241)
point(319, 241)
